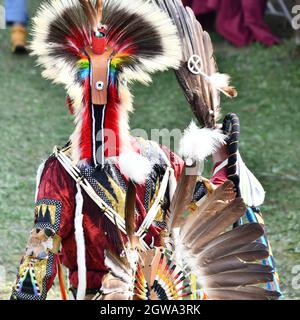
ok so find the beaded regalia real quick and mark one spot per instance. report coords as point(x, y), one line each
point(127, 217)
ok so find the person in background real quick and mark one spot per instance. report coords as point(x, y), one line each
point(241, 22)
point(17, 17)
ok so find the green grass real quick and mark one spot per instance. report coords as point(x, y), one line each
point(33, 118)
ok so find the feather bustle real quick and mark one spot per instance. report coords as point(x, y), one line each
point(241, 293)
point(249, 275)
point(231, 241)
point(205, 232)
point(209, 205)
point(183, 196)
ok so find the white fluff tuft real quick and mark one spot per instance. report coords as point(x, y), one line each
point(135, 167)
point(38, 178)
point(219, 80)
point(197, 144)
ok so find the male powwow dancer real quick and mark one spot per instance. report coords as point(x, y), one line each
point(128, 218)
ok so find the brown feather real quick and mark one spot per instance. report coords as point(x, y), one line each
point(183, 196)
point(248, 275)
point(211, 69)
point(219, 267)
point(241, 293)
point(204, 232)
point(130, 210)
point(209, 205)
point(90, 12)
point(232, 262)
point(220, 197)
point(99, 10)
point(230, 242)
point(201, 95)
point(255, 248)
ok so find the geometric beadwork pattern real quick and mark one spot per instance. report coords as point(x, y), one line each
point(200, 191)
point(32, 278)
point(28, 282)
point(34, 274)
point(166, 282)
point(48, 214)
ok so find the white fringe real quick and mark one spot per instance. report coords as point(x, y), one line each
point(197, 144)
point(38, 178)
point(172, 179)
point(80, 243)
point(172, 184)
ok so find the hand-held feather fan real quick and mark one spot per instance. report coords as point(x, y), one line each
point(224, 262)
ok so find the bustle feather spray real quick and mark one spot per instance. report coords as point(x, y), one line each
point(224, 262)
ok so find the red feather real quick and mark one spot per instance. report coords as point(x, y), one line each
point(86, 128)
point(112, 118)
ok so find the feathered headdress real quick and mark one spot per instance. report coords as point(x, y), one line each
point(94, 49)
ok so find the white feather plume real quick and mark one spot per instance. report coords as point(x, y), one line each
point(252, 191)
point(135, 167)
point(80, 244)
point(197, 144)
point(219, 80)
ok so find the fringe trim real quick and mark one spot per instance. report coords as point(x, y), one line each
point(38, 178)
point(80, 243)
